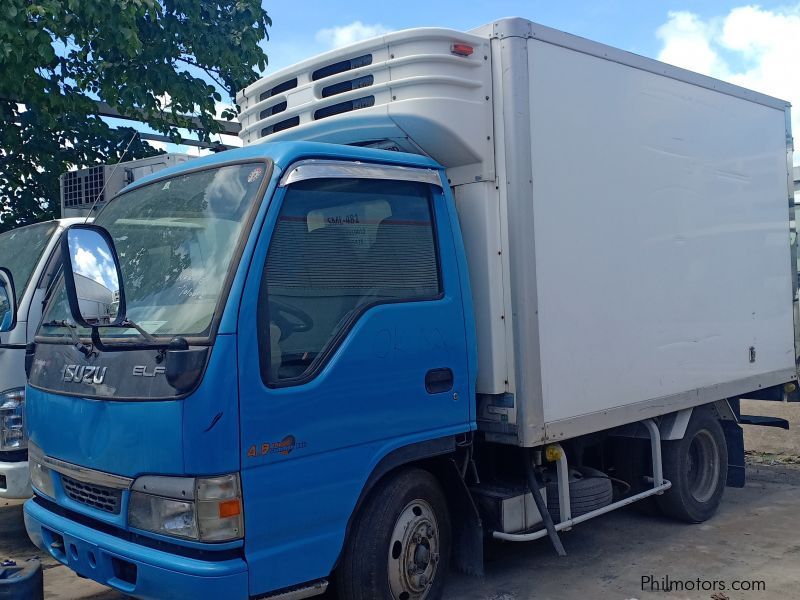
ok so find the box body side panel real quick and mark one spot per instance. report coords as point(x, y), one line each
point(479, 216)
point(661, 235)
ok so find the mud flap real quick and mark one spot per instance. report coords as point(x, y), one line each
point(734, 437)
point(467, 526)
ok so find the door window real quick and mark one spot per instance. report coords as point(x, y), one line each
point(339, 247)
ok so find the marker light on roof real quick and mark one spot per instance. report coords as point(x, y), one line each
point(462, 49)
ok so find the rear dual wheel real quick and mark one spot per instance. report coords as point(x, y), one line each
point(399, 547)
point(697, 466)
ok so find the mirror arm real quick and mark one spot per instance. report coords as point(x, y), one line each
point(142, 332)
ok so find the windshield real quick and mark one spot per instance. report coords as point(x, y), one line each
point(21, 249)
point(176, 239)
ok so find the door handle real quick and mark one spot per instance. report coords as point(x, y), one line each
point(439, 380)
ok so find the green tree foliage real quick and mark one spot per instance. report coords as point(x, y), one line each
point(56, 55)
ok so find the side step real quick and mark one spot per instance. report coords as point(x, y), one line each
point(308, 590)
point(764, 421)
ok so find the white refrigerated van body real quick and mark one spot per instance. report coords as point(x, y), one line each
point(626, 222)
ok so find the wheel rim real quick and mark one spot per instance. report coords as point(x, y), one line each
point(703, 468)
point(414, 552)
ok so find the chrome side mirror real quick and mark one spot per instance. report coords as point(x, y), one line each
point(92, 276)
point(8, 301)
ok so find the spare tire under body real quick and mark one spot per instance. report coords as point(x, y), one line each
point(589, 489)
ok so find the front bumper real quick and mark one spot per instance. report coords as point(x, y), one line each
point(134, 569)
point(15, 481)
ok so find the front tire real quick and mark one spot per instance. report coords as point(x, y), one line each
point(399, 546)
point(697, 466)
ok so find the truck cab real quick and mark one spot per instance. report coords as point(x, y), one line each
point(26, 253)
point(288, 293)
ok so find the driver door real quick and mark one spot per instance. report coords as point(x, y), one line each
point(359, 300)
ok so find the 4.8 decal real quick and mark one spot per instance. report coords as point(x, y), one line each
point(283, 447)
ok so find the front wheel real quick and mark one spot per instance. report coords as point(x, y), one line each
point(697, 466)
point(399, 547)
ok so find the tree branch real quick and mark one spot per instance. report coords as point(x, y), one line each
point(212, 73)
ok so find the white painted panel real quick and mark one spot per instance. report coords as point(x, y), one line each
point(479, 216)
point(661, 234)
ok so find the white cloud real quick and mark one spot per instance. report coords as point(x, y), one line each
point(336, 37)
point(688, 43)
point(102, 271)
point(750, 46)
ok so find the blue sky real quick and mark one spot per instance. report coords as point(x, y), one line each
point(627, 24)
point(754, 45)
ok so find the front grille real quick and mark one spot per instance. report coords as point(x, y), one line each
point(96, 496)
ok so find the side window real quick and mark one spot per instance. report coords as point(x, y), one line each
point(340, 246)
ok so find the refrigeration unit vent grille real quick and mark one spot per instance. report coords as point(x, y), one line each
point(93, 185)
point(407, 90)
point(91, 188)
point(348, 86)
point(342, 67)
point(82, 188)
point(280, 126)
point(279, 89)
point(273, 110)
point(72, 189)
point(343, 107)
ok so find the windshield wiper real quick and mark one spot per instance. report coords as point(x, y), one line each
point(150, 343)
point(97, 345)
point(85, 349)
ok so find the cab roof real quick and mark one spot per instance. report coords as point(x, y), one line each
point(285, 153)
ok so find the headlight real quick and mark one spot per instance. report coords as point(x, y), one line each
point(207, 509)
point(41, 476)
point(12, 420)
point(162, 515)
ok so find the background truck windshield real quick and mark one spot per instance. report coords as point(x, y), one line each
point(175, 239)
point(21, 249)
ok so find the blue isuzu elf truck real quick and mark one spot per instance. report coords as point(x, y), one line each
point(456, 286)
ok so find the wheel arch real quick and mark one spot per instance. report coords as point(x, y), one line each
point(673, 427)
point(437, 456)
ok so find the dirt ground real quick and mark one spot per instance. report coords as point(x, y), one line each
point(753, 542)
point(768, 444)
